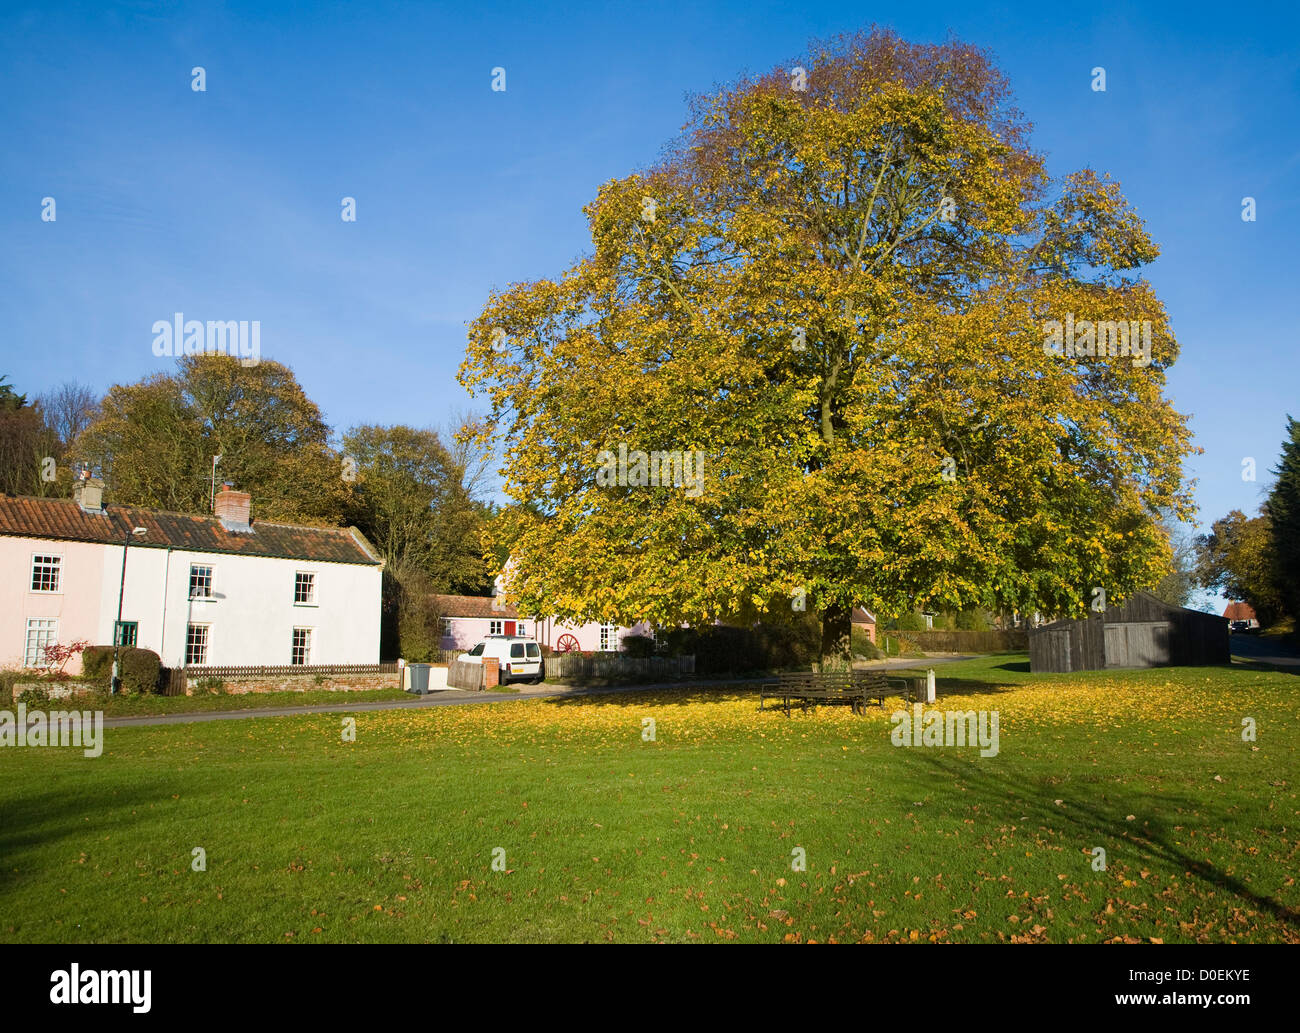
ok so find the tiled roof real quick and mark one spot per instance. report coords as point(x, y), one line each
point(863, 616)
point(472, 606)
point(1240, 612)
point(64, 520)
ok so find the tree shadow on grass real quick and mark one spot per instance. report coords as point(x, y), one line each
point(945, 687)
point(43, 818)
point(690, 693)
point(1094, 824)
point(660, 696)
point(1245, 663)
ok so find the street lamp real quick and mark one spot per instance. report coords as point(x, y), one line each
point(117, 625)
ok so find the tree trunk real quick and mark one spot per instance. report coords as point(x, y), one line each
point(836, 625)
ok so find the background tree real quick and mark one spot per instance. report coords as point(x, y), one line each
point(155, 441)
point(411, 501)
point(412, 624)
point(1237, 560)
point(1283, 510)
point(466, 436)
point(9, 398)
point(68, 410)
point(838, 295)
point(972, 620)
point(65, 411)
point(1178, 585)
point(20, 443)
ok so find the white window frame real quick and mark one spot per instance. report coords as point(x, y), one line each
point(521, 629)
point(448, 628)
point(57, 557)
point(207, 645)
point(293, 645)
point(496, 627)
point(609, 638)
point(311, 599)
point(53, 628)
point(212, 581)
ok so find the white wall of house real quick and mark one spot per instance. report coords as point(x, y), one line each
point(251, 614)
point(250, 618)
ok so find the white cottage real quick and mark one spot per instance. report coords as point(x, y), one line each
point(222, 590)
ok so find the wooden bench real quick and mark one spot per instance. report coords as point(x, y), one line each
point(810, 688)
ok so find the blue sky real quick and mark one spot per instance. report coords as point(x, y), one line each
point(225, 204)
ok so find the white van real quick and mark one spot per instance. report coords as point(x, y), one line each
point(518, 658)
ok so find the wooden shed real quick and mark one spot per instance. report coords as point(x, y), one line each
point(1144, 632)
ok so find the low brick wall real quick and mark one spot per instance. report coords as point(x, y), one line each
point(237, 686)
point(56, 689)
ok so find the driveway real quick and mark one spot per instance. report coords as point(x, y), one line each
point(458, 697)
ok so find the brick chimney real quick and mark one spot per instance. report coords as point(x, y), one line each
point(232, 508)
point(88, 493)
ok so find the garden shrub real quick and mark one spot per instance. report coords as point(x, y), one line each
point(140, 670)
point(910, 622)
point(973, 620)
point(895, 645)
point(97, 663)
point(726, 649)
point(638, 645)
point(796, 644)
point(8, 678)
point(861, 645)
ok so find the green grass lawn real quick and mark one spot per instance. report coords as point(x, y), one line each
point(136, 704)
point(607, 836)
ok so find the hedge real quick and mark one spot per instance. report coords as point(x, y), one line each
point(97, 662)
point(638, 645)
point(140, 670)
point(724, 649)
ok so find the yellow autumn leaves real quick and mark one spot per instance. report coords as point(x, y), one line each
point(715, 716)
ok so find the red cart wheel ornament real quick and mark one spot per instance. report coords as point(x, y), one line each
point(566, 644)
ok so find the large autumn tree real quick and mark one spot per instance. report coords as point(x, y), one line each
point(836, 287)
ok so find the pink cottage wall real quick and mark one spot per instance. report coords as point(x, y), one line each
point(466, 632)
point(75, 606)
